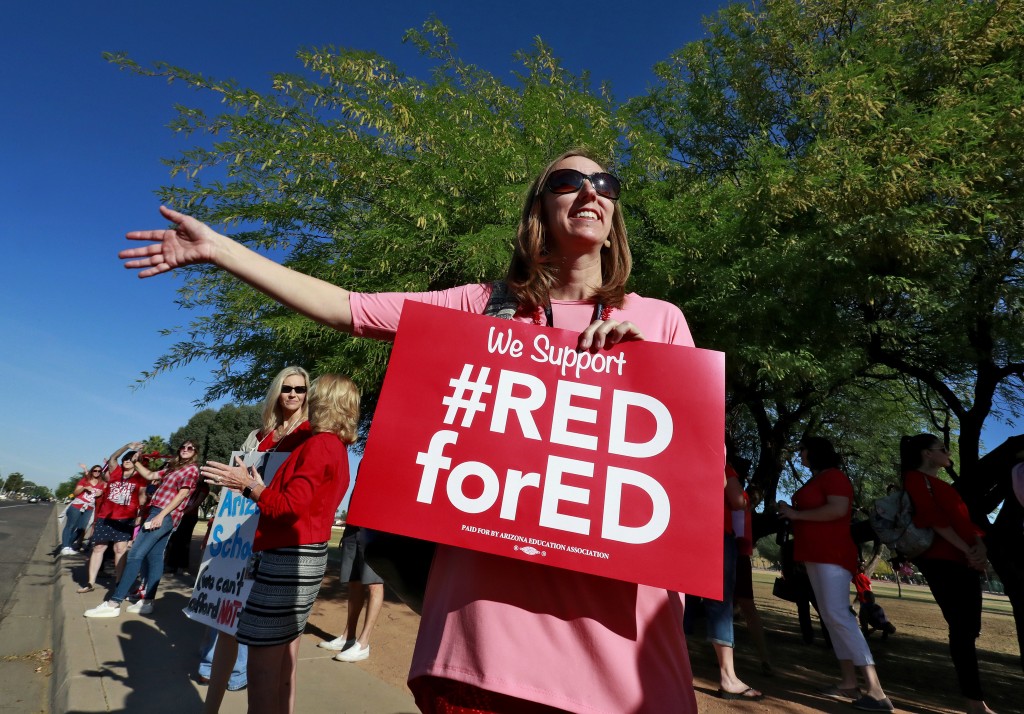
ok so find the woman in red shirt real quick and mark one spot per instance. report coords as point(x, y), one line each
point(955, 559)
point(285, 425)
point(820, 515)
point(117, 512)
point(90, 487)
point(290, 548)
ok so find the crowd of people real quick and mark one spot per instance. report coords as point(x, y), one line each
point(593, 644)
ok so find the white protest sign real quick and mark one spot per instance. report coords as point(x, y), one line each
point(221, 587)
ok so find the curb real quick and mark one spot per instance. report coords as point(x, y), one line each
point(61, 666)
point(79, 679)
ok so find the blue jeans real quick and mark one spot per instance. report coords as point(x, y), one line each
point(719, 612)
point(238, 678)
point(148, 552)
point(74, 521)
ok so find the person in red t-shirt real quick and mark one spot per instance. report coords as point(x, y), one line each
point(820, 515)
point(862, 583)
point(720, 612)
point(743, 594)
point(953, 563)
point(290, 547)
point(116, 512)
point(78, 514)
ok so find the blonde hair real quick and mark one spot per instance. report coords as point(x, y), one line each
point(532, 274)
point(272, 406)
point(334, 406)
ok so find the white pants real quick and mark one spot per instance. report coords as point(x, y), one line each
point(831, 585)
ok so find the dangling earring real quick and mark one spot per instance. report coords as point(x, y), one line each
point(607, 243)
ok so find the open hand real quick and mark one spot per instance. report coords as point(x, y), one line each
point(235, 477)
point(188, 243)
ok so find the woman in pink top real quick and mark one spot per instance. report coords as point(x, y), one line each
point(497, 634)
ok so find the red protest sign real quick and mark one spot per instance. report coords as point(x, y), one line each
point(498, 436)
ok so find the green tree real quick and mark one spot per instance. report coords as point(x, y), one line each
point(15, 482)
point(67, 488)
point(156, 444)
point(366, 177)
point(833, 189)
point(216, 433)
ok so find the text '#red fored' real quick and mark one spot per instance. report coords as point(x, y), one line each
point(498, 436)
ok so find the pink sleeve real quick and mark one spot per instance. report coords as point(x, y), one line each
point(376, 314)
point(660, 321)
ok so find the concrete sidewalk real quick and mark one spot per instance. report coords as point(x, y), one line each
point(147, 663)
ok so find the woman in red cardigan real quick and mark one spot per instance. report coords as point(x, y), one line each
point(953, 563)
point(290, 548)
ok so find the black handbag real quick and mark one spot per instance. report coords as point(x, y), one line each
point(784, 590)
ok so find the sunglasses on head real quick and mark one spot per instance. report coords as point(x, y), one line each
point(288, 389)
point(570, 181)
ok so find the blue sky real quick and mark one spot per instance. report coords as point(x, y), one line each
point(81, 150)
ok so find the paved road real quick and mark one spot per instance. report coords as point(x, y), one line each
point(26, 606)
point(21, 525)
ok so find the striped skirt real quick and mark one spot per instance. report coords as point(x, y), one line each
point(285, 587)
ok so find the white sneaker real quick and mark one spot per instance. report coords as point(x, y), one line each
point(68, 551)
point(337, 644)
point(142, 607)
point(355, 653)
point(105, 609)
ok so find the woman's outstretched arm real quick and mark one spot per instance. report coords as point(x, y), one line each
point(192, 242)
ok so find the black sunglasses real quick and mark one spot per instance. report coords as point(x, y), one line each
point(571, 181)
point(288, 389)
